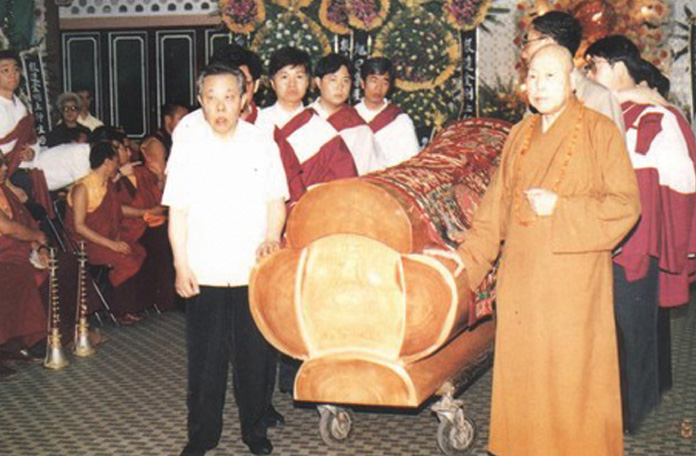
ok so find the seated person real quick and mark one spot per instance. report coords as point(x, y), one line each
point(156, 147)
point(22, 314)
point(68, 105)
point(144, 221)
point(85, 118)
point(310, 148)
point(333, 78)
point(393, 128)
point(94, 215)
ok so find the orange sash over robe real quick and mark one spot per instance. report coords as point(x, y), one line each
point(21, 310)
point(556, 373)
point(104, 217)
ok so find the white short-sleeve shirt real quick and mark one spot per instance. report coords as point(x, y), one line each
point(225, 185)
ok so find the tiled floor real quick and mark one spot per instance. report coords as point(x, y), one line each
point(128, 400)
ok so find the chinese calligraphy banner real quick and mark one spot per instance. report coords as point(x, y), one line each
point(469, 76)
point(36, 89)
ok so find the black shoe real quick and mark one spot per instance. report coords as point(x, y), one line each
point(259, 445)
point(272, 418)
point(33, 357)
point(190, 452)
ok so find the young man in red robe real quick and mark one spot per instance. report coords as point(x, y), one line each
point(652, 267)
point(310, 148)
point(94, 215)
point(333, 78)
point(393, 128)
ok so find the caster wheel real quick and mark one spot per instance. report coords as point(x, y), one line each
point(456, 437)
point(335, 425)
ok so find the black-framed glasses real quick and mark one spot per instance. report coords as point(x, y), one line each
point(526, 40)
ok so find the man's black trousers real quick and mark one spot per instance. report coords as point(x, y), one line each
point(220, 330)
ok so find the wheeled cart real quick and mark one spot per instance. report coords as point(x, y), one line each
point(371, 295)
point(456, 432)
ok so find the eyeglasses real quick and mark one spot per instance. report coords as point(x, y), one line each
point(525, 39)
point(69, 108)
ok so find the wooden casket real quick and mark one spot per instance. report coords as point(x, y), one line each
point(368, 292)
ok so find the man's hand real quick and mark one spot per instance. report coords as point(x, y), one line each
point(266, 248)
point(26, 153)
point(18, 192)
point(543, 201)
point(186, 284)
point(120, 247)
point(127, 169)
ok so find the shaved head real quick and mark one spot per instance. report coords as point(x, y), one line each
point(549, 82)
point(554, 52)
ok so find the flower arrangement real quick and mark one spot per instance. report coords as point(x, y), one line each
point(500, 100)
point(431, 108)
point(242, 16)
point(423, 50)
point(367, 14)
point(333, 14)
point(465, 14)
point(291, 28)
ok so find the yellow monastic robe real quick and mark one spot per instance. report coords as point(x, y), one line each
point(556, 375)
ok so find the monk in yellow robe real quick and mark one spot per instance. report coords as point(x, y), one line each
point(565, 194)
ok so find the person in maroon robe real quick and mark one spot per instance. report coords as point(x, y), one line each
point(312, 151)
point(94, 215)
point(333, 78)
point(144, 222)
point(22, 315)
point(155, 148)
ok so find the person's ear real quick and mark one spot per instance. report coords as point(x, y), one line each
point(272, 84)
point(362, 83)
point(257, 84)
point(200, 100)
point(243, 100)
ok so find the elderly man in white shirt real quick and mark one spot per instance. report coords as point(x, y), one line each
point(226, 192)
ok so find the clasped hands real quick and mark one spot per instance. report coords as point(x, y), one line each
point(541, 200)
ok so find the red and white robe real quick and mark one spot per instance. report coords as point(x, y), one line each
point(311, 150)
point(663, 152)
point(394, 132)
point(357, 135)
